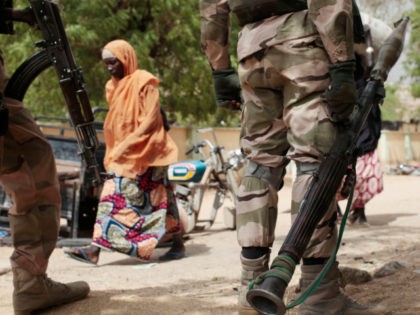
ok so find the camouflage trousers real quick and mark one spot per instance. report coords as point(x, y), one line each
point(284, 118)
point(28, 175)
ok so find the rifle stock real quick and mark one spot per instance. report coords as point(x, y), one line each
point(268, 297)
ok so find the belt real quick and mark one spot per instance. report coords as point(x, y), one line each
point(250, 11)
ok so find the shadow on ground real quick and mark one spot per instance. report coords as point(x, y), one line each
point(184, 298)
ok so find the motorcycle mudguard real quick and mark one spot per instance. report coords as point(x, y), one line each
point(186, 171)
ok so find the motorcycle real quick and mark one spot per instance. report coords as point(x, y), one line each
point(216, 172)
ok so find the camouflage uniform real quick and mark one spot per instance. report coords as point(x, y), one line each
point(28, 175)
point(283, 71)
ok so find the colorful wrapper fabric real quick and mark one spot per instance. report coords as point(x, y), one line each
point(134, 214)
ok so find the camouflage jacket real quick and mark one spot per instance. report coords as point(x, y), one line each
point(332, 19)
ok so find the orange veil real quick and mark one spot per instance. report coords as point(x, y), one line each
point(134, 134)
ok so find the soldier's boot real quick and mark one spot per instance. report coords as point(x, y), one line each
point(327, 299)
point(251, 268)
point(32, 293)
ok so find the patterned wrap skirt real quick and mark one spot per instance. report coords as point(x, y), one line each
point(369, 180)
point(135, 214)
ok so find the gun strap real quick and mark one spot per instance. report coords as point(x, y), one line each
point(311, 288)
point(250, 11)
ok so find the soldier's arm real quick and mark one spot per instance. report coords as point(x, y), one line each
point(215, 35)
point(215, 32)
point(334, 22)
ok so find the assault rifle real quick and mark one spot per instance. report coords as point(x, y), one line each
point(56, 51)
point(267, 297)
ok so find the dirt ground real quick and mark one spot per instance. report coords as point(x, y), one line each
point(206, 281)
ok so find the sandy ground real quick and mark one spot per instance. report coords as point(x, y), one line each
point(206, 281)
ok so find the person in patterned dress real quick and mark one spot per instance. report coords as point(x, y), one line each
point(137, 207)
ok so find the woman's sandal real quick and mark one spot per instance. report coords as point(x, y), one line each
point(78, 253)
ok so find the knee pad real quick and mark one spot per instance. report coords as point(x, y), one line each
point(270, 175)
point(306, 168)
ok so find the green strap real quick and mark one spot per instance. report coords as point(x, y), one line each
point(282, 267)
point(306, 293)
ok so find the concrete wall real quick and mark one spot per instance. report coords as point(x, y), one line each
point(395, 147)
point(186, 137)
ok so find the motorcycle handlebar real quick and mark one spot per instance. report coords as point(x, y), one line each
point(195, 148)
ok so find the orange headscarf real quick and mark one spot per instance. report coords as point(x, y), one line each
point(134, 134)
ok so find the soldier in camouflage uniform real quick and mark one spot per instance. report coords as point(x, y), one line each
point(296, 72)
point(28, 175)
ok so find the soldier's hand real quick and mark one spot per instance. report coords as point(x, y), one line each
point(341, 95)
point(380, 94)
point(227, 88)
point(4, 117)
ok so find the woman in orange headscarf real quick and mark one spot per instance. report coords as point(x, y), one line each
point(137, 206)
